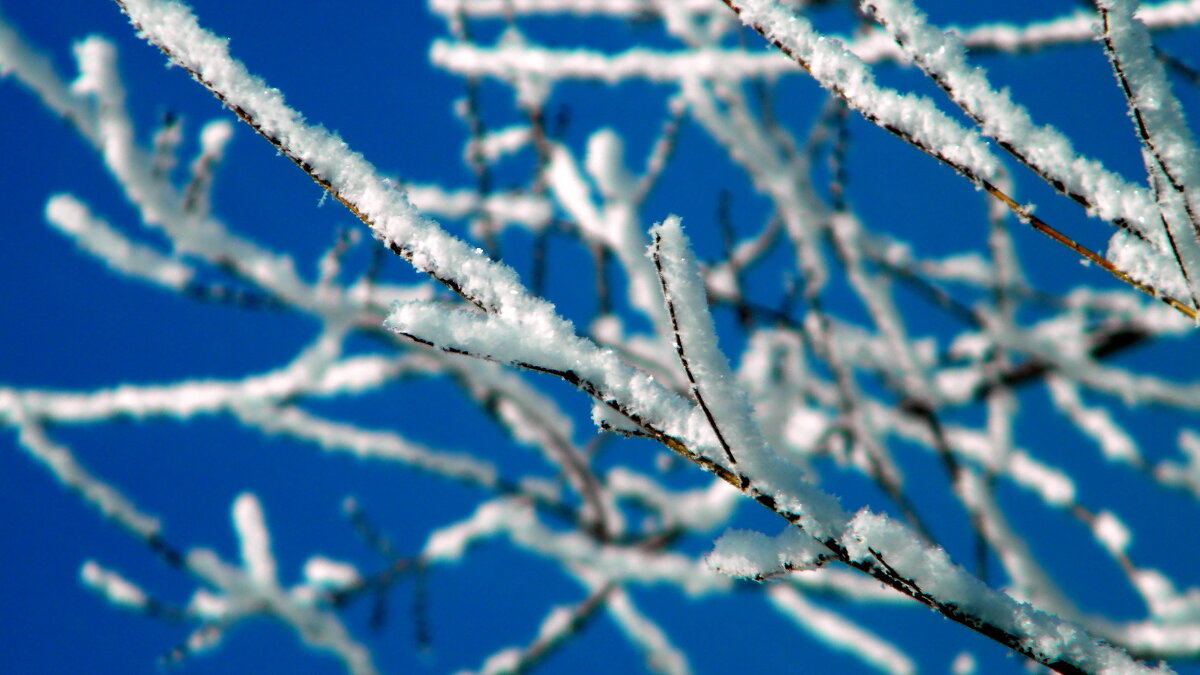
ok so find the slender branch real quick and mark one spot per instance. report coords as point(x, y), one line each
point(1185, 249)
point(1024, 213)
point(656, 249)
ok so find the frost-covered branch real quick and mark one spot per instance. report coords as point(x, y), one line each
point(835, 323)
point(918, 122)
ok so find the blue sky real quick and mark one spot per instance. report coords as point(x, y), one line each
point(362, 69)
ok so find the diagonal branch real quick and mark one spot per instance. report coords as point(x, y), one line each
point(936, 135)
point(656, 251)
point(520, 329)
point(1158, 118)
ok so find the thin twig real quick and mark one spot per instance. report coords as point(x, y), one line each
point(1024, 213)
point(682, 352)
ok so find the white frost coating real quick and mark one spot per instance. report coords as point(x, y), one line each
point(963, 664)
point(1075, 27)
point(698, 510)
point(713, 379)
point(1116, 444)
point(662, 656)
point(496, 145)
point(1146, 263)
point(1053, 485)
point(98, 79)
point(567, 550)
point(1061, 341)
point(366, 443)
point(605, 164)
point(605, 417)
point(1152, 94)
point(203, 639)
point(450, 543)
point(840, 633)
point(248, 591)
point(1170, 153)
point(557, 623)
point(95, 109)
point(116, 588)
point(729, 118)
point(254, 539)
point(519, 524)
point(753, 555)
point(805, 428)
point(530, 211)
point(512, 63)
point(96, 73)
point(958, 384)
point(773, 370)
point(1028, 581)
point(189, 398)
point(35, 70)
point(572, 191)
point(392, 218)
point(1111, 532)
point(329, 574)
point(1167, 605)
point(167, 140)
point(900, 354)
point(613, 222)
point(875, 537)
point(208, 606)
point(451, 9)
point(214, 137)
point(1187, 473)
point(728, 410)
point(943, 56)
point(503, 661)
point(1047, 151)
point(73, 218)
point(1175, 640)
point(838, 70)
point(546, 344)
point(62, 464)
